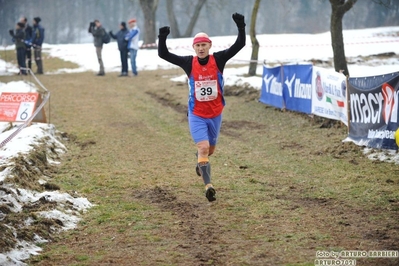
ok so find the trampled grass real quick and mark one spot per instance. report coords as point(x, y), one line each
point(285, 186)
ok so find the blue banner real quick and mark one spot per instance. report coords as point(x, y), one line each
point(374, 110)
point(297, 88)
point(272, 89)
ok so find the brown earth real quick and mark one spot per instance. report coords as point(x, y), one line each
point(286, 184)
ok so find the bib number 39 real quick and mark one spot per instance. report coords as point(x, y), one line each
point(206, 90)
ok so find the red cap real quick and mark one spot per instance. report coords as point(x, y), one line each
point(132, 20)
point(201, 39)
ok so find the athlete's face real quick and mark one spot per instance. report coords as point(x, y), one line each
point(202, 49)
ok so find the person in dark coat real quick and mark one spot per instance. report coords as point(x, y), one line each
point(37, 42)
point(28, 36)
point(98, 32)
point(18, 37)
point(122, 46)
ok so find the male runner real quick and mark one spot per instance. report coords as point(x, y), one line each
point(205, 98)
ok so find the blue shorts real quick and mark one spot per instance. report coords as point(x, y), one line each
point(205, 128)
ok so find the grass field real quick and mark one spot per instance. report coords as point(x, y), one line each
point(287, 186)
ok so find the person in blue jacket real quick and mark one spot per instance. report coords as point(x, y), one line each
point(37, 41)
point(18, 37)
point(122, 46)
point(133, 43)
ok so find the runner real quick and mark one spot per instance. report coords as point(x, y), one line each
point(205, 99)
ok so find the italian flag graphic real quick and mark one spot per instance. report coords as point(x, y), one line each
point(335, 102)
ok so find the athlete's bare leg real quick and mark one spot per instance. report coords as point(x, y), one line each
point(204, 166)
point(203, 150)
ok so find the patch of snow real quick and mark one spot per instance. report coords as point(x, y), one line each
point(67, 208)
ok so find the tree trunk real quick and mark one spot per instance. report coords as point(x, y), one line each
point(174, 29)
point(339, 8)
point(194, 18)
point(149, 8)
point(174, 26)
point(255, 44)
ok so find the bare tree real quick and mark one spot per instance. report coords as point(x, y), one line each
point(173, 22)
point(339, 8)
point(255, 44)
point(174, 26)
point(288, 16)
point(149, 8)
point(385, 3)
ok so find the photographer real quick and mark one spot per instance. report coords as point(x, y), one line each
point(18, 38)
point(98, 32)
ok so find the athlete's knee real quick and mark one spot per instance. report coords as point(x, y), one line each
point(203, 148)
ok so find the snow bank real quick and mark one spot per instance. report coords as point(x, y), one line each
point(64, 208)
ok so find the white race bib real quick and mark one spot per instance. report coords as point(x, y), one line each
point(206, 90)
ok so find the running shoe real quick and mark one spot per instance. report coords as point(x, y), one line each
point(210, 194)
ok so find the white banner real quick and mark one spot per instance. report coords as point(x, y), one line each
point(329, 94)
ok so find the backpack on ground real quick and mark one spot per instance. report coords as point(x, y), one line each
point(106, 38)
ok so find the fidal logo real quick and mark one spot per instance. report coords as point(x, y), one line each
point(319, 87)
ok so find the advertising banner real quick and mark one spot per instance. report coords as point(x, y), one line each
point(272, 89)
point(329, 94)
point(17, 107)
point(297, 88)
point(373, 110)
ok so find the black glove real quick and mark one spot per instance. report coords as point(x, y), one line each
point(110, 33)
point(239, 20)
point(92, 24)
point(11, 32)
point(164, 31)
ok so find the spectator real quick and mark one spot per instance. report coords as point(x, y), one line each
point(98, 32)
point(37, 42)
point(122, 46)
point(133, 43)
point(19, 39)
point(28, 37)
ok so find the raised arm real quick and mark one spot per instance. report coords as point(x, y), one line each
point(113, 36)
point(223, 56)
point(91, 27)
point(182, 61)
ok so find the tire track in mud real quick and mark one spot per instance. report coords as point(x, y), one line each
point(199, 231)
